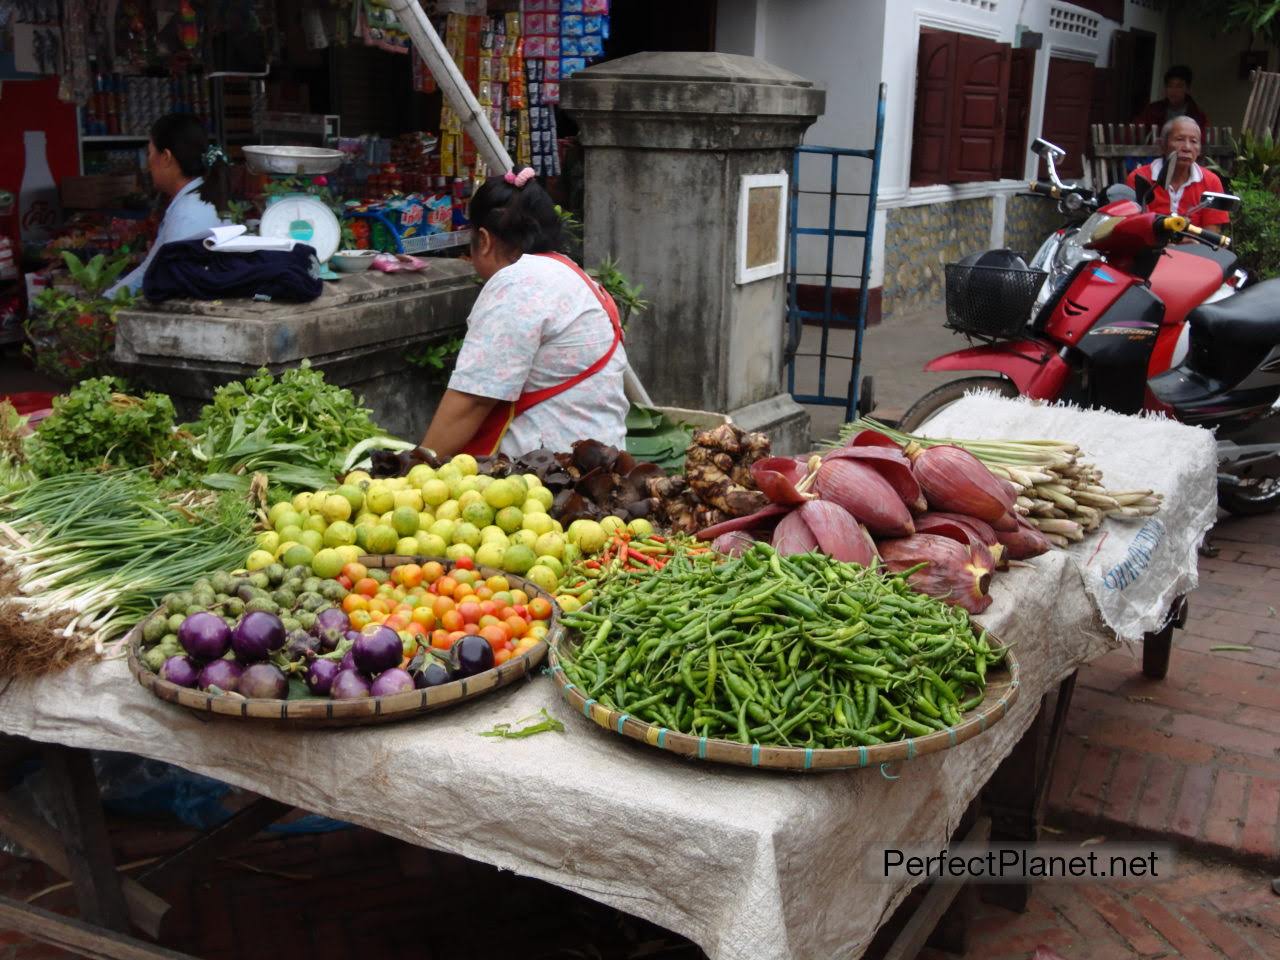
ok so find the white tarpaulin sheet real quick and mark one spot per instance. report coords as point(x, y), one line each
point(751, 865)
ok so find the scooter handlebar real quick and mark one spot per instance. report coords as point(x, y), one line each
point(1176, 224)
point(1044, 189)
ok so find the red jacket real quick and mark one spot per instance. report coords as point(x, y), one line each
point(1156, 113)
point(1202, 180)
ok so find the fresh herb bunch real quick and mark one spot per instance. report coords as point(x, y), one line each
point(298, 428)
point(436, 355)
point(98, 425)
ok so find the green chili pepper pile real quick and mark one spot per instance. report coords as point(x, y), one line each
point(800, 651)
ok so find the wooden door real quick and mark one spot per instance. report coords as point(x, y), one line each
point(931, 140)
point(979, 107)
point(1022, 68)
point(1066, 111)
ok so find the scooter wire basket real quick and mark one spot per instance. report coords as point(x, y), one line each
point(990, 302)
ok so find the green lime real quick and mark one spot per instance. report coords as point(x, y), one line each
point(449, 510)
point(258, 560)
point(550, 544)
point(339, 534)
point(382, 539)
point(501, 494)
point(316, 522)
point(353, 495)
point(327, 564)
point(430, 545)
point(467, 533)
point(407, 546)
point(298, 555)
point(443, 529)
point(285, 519)
point(490, 554)
point(546, 560)
point(336, 507)
point(518, 558)
point(509, 519)
point(311, 540)
point(478, 513)
point(404, 520)
point(435, 492)
point(458, 551)
point(543, 577)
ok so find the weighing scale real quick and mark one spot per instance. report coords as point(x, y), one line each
point(299, 216)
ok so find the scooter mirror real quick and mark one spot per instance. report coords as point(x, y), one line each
point(1225, 202)
point(1166, 172)
point(1043, 148)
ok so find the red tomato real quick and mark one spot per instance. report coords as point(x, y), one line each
point(367, 586)
point(540, 608)
point(452, 620)
point(355, 571)
point(501, 656)
point(345, 581)
point(496, 636)
point(465, 563)
point(517, 625)
point(470, 611)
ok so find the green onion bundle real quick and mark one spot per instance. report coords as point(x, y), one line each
point(88, 555)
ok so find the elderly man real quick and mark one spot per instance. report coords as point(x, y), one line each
point(1190, 180)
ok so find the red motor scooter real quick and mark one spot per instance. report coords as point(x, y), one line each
point(1106, 311)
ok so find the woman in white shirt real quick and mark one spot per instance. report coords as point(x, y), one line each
point(542, 363)
point(193, 175)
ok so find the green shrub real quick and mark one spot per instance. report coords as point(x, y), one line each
point(1255, 232)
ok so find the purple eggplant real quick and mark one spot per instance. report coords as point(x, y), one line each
point(205, 636)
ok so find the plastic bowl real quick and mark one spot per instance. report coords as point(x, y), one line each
point(352, 261)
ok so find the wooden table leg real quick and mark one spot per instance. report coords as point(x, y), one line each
point(1158, 647)
point(77, 813)
point(239, 827)
point(1015, 795)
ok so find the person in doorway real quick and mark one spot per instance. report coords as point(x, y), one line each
point(1177, 101)
point(193, 175)
point(1190, 180)
point(542, 362)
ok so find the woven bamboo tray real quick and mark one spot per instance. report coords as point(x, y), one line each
point(1002, 692)
point(323, 712)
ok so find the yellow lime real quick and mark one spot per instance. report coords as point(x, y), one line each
point(568, 603)
point(353, 495)
point(531, 481)
point(543, 577)
point(546, 560)
point(287, 518)
point(386, 517)
point(382, 539)
point(613, 525)
point(501, 494)
point(466, 464)
point(533, 505)
point(298, 555)
point(524, 538)
point(285, 546)
point(459, 550)
point(509, 519)
point(349, 553)
point(590, 536)
point(490, 554)
point(443, 529)
point(517, 558)
point(316, 522)
point(404, 520)
point(449, 473)
point(467, 533)
point(268, 540)
point(312, 540)
point(483, 481)
point(259, 559)
point(336, 507)
point(407, 546)
point(492, 534)
point(396, 483)
point(409, 498)
point(277, 509)
point(357, 477)
point(543, 496)
point(539, 523)
point(449, 510)
point(520, 486)
point(469, 497)
point(477, 512)
point(302, 502)
point(435, 492)
point(550, 544)
point(339, 534)
point(327, 564)
point(364, 516)
point(640, 528)
point(379, 498)
point(431, 545)
point(425, 520)
point(419, 474)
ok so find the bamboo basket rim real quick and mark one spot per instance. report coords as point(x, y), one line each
point(1002, 692)
point(323, 712)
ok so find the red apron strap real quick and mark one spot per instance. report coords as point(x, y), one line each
point(495, 425)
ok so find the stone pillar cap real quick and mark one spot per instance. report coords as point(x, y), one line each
point(693, 67)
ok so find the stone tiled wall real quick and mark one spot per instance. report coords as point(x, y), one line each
point(918, 241)
point(1027, 221)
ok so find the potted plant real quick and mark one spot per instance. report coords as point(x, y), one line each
point(72, 330)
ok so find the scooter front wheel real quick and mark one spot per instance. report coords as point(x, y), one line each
point(949, 393)
point(1251, 498)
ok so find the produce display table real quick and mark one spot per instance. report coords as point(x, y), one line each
point(748, 864)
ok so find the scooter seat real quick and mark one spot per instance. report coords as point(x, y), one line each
point(1250, 318)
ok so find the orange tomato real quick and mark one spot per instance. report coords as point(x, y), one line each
point(483, 592)
point(442, 605)
point(355, 571)
point(440, 639)
point(470, 611)
point(424, 616)
point(488, 620)
point(498, 583)
point(501, 656)
point(464, 590)
point(507, 612)
point(355, 601)
point(445, 586)
point(410, 574)
point(360, 619)
point(517, 625)
point(433, 571)
point(417, 629)
point(377, 616)
point(452, 620)
point(526, 643)
point(496, 636)
point(471, 628)
point(379, 605)
point(455, 636)
point(366, 585)
point(540, 608)
point(397, 622)
point(518, 597)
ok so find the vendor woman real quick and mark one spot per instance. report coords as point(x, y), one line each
point(542, 363)
point(193, 175)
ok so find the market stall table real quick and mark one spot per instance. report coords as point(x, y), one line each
point(747, 864)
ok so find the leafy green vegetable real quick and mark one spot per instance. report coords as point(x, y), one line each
point(297, 429)
point(653, 436)
point(98, 425)
point(506, 731)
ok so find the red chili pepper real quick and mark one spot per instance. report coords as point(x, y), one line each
point(657, 539)
point(592, 564)
point(644, 558)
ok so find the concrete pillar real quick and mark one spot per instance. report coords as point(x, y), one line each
point(668, 139)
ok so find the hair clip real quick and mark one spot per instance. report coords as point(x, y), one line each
point(518, 180)
point(213, 155)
